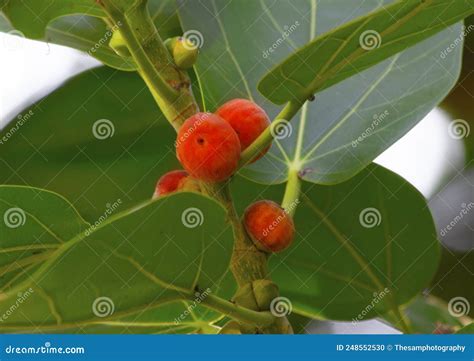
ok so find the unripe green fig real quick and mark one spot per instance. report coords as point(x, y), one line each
point(118, 44)
point(183, 50)
point(170, 42)
point(244, 297)
point(265, 292)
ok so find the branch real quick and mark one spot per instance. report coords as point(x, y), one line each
point(170, 86)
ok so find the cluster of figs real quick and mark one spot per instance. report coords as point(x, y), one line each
point(209, 147)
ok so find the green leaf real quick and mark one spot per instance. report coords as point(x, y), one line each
point(431, 315)
point(384, 101)
point(53, 146)
point(70, 274)
point(32, 16)
point(91, 34)
point(359, 45)
point(469, 329)
point(299, 323)
point(354, 240)
point(4, 24)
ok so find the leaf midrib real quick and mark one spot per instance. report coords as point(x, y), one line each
point(229, 50)
point(345, 243)
point(54, 255)
point(320, 80)
point(354, 109)
point(379, 129)
point(331, 274)
point(296, 163)
point(116, 315)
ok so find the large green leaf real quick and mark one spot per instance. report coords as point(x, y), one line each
point(91, 34)
point(385, 101)
point(354, 240)
point(55, 147)
point(32, 16)
point(71, 275)
point(430, 315)
point(51, 144)
point(358, 45)
point(4, 24)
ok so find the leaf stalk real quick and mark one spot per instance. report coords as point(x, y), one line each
point(281, 121)
point(291, 198)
